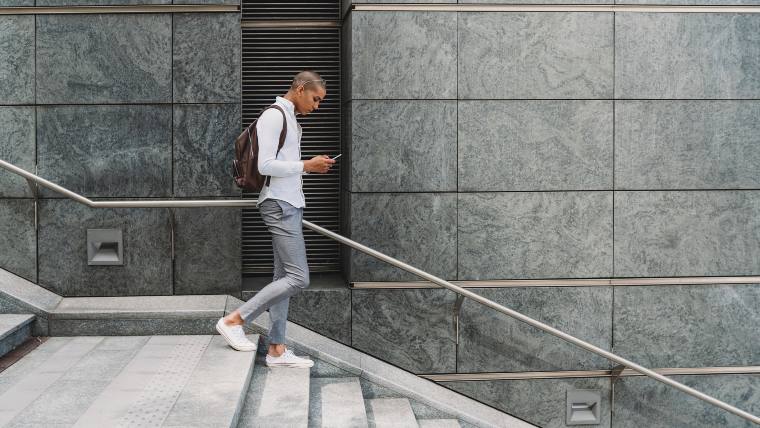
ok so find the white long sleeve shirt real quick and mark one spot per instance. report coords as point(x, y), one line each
point(287, 168)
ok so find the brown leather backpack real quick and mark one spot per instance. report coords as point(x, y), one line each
point(245, 165)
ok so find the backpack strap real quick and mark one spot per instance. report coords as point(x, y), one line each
point(283, 133)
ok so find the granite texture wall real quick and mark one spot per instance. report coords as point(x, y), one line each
point(552, 145)
point(121, 106)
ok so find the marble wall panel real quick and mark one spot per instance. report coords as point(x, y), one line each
point(687, 233)
point(18, 147)
point(206, 58)
point(687, 144)
point(493, 342)
point(104, 58)
point(535, 145)
point(404, 146)
point(535, 235)
point(416, 228)
point(207, 251)
point(688, 325)
point(206, 1)
point(99, 2)
point(17, 65)
point(403, 55)
point(13, 3)
point(115, 151)
point(203, 140)
point(327, 312)
point(691, 2)
point(535, 55)
point(62, 241)
point(412, 329)
point(643, 402)
point(687, 55)
point(18, 238)
point(538, 401)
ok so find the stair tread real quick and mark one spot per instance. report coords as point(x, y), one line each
point(26, 389)
point(188, 381)
point(9, 323)
point(336, 402)
point(438, 423)
point(277, 394)
point(30, 361)
point(390, 412)
point(216, 389)
point(175, 381)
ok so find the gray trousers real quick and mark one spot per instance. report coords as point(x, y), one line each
point(291, 271)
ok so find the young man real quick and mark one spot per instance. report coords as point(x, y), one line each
point(281, 205)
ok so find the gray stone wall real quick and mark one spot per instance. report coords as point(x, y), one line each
point(499, 145)
point(116, 106)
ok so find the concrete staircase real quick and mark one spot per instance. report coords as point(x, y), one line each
point(304, 398)
point(15, 329)
point(189, 381)
point(157, 361)
point(139, 381)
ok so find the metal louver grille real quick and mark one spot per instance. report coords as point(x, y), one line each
point(291, 10)
point(271, 57)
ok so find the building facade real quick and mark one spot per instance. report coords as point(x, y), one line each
point(479, 145)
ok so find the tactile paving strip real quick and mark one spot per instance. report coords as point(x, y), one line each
point(161, 392)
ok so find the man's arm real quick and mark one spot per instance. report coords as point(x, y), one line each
point(268, 130)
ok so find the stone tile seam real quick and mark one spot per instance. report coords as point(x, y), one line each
point(587, 374)
point(119, 9)
point(529, 99)
point(602, 8)
point(547, 191)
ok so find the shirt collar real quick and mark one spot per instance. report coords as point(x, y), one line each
point(287, 104)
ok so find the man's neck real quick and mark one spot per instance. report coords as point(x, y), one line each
point(290, 97)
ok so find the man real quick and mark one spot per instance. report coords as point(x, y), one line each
point(281, 205)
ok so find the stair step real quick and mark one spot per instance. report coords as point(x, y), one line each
point(336, 402)
point(439, 423)
point(170, 381)
point(390, 413)
point(277, 394)
point(33, 387)
point(14, 330)
point(214, 395)
point(189, 381)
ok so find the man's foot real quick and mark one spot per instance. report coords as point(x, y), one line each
point(288, 359)
point(235, 336)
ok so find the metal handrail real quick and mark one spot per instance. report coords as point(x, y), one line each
point(399, 264)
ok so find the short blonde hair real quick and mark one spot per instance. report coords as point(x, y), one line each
point(308, 79)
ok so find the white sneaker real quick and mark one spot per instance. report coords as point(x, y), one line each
point(288, 359)
point(235, 336)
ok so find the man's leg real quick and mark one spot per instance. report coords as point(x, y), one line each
point(288, 243)
point(278, 313)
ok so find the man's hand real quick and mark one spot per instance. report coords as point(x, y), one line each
point(319, 163)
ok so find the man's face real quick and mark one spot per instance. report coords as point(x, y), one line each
point(308, 99)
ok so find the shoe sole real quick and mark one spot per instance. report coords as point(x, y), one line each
point(226, 338)
point(291, 365)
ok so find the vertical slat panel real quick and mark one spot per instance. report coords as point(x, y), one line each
point(291, 10)
point(271, 57)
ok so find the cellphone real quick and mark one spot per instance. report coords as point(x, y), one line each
point(336, 157)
